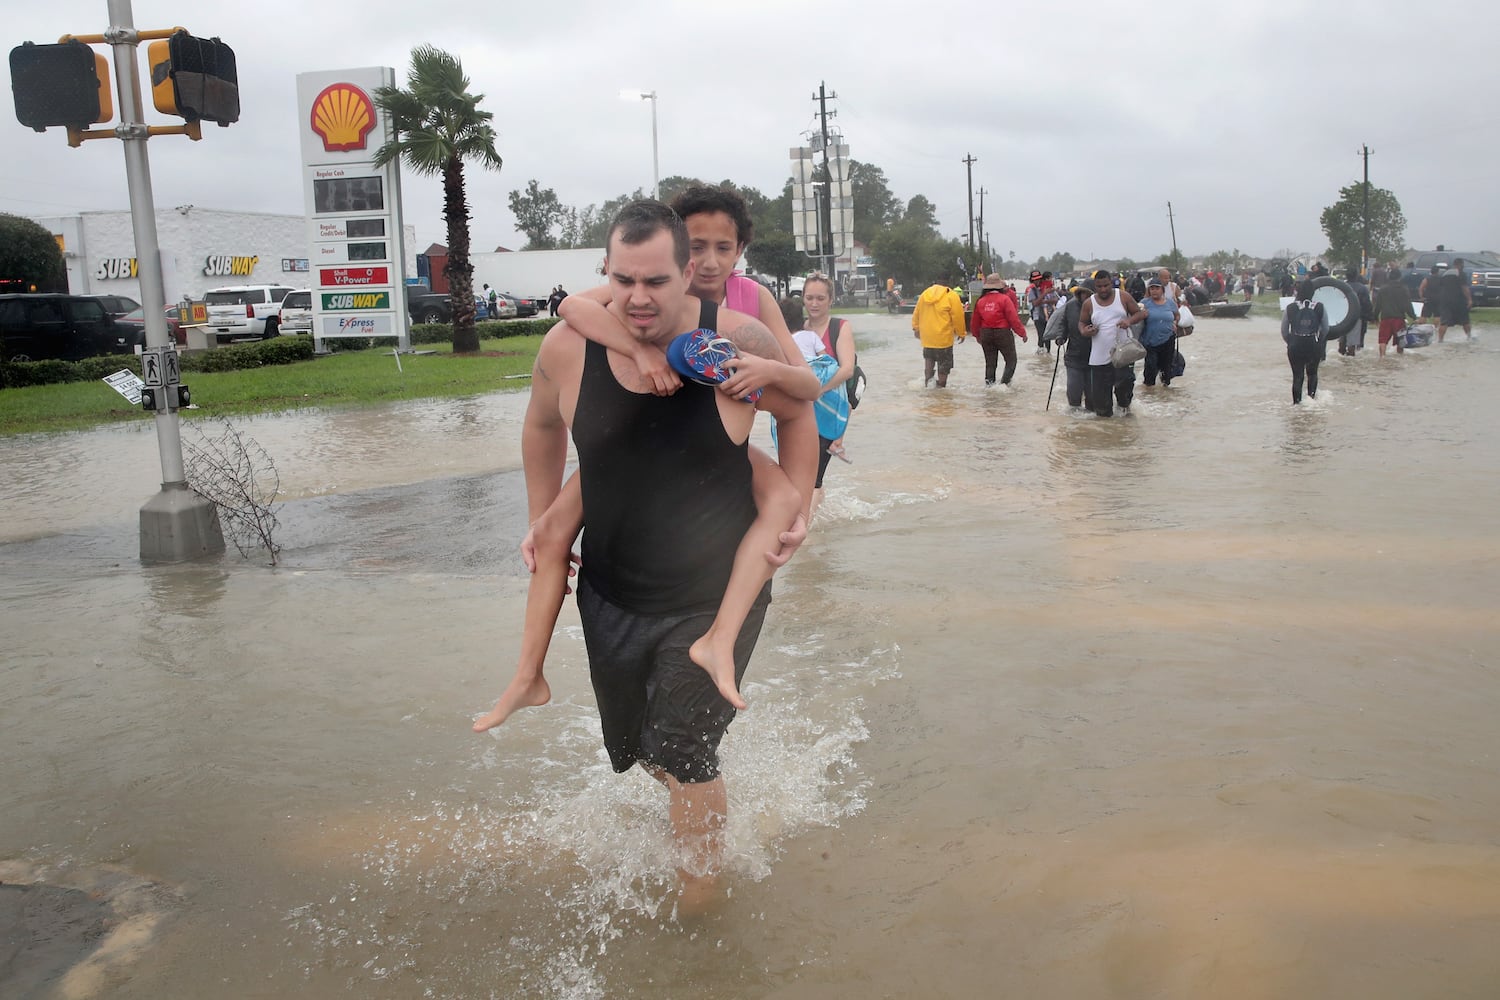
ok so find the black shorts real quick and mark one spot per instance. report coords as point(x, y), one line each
point(655, 704)
point(941, 357)
point(1454, 314)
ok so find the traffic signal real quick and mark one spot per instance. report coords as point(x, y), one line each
point(194, 78)
point(64, 84)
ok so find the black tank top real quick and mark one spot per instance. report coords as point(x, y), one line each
point(666, 493)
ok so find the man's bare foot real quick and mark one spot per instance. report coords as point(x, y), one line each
point(720, 666)
point(523, 692)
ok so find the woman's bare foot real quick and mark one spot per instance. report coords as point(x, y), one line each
point(720, 666)
point(523, 692)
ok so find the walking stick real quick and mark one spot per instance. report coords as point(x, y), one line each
point(1055, 362)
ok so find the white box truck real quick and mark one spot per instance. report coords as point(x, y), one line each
point(534, 273)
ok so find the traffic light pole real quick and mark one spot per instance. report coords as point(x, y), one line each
point(177, 524)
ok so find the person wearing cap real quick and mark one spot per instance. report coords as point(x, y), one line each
point(995, 325)
point(1040, 297)
point(1158, 336)
point(937, 321)
point(1076, 347)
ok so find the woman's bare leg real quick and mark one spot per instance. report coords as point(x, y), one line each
point(552, 535)
point(777, 504)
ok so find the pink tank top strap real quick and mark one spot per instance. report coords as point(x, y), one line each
point(742, 294)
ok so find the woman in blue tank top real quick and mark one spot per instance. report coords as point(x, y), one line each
point(1159, 336)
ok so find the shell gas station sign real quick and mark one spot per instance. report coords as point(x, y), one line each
point(354, 227)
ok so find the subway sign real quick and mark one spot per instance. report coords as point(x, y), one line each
point(342, 276)
point(342, 301)
point(223, 265)
point(117, 267)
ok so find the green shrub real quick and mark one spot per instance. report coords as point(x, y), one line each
point(18, 374)
point(489, 329)
point(276, 351)
point(335, 345)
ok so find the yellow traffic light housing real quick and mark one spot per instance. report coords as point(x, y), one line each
point(163, 90)
point(194, 78)
point(64, 84)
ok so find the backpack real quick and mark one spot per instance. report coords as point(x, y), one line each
point(1308, 319)
point(991, 312)
point(854, 387)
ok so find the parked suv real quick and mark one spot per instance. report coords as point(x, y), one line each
point(296, 312)
point(117, 305)
point(1482, 268)
point(70, 327)
point(241, 312)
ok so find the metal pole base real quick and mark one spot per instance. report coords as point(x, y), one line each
point(178, 525)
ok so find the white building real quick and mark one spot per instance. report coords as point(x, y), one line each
point(201, 248)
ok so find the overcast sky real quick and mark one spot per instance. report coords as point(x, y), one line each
point(1247, 118)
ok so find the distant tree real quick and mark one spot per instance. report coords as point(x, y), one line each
point(775, 252)
point(1343, 224)
point(438, 126)
point(29, 257)
point(921, 212)
point(1061, 262)
point(906, 254)
point(537, 213)
point(1227, 261)
point(952, 261)
point(578, 225)
point(875, 207)
point(1175, 260)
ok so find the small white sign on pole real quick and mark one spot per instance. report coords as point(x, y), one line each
point(127, 383)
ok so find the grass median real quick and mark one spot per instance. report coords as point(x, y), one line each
point(347, 378)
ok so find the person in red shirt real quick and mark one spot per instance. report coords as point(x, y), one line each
point(996, 324)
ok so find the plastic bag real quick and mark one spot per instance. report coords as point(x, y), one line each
point(1127, 352)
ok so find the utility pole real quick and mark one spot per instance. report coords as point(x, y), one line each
point(826, 247)
point(969, 162)
point(1364, 246)
point(1173, 223)
point(983, 253)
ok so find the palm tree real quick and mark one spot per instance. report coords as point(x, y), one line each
point(438, 125)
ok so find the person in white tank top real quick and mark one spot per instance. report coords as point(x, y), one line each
point(1104, 317)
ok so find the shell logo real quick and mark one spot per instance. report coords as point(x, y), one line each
point(342, 116)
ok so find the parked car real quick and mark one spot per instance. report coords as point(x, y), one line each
point(244, 312)
point(526, 305)
point(34, 327)
point(1482, 268)
point(296, 312)
point(507, 306)
point(135, 322)
point(437, 307)
point(117, 305)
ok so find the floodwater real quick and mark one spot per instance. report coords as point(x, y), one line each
point(1197, 702)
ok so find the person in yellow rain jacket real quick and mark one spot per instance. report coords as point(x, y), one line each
point(938, 321)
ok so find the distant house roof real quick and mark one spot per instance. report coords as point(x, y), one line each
point(436, 250)
point(504, 250)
